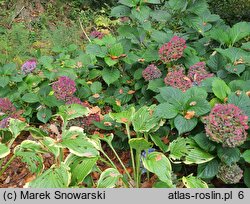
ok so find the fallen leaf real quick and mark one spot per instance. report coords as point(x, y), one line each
point(96, 95)
point(189, 115)
point(131, 92)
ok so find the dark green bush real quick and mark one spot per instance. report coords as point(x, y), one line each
point(232, 11)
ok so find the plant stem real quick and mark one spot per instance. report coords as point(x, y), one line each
point(131, 151)
point(138, 180)
point(112, 164)
point(106, 162)
point(7, 164)
point(120, 161)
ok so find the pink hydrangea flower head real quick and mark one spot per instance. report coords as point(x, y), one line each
point(177, 79)
point(6, 106)
point(227, 124)
point(29, 66)
point(64, 88)
point(173, 50)
point(151, 72)
point(230, 174)
point(198, 72)
point(96, 34)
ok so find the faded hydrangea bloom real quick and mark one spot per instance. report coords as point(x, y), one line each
point(151, 72)
point(230, 174)
point(227, 124)
point(177, 79)
point(173, 50)
point(4, 123)
point(198, 72)
point(29, 66)
point(96, 34)
point(6, 106)
point(86, 122)
point(64, 88)
point(8, 110)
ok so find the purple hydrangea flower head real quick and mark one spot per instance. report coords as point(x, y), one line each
point(6, 106)
point(151, 72)
point(177, 79)
point(4, 123)
point(29, 66)
point(173, 50)
point(230, 174)
point(198, 72)
point(64, 88)
point(96, 34)
point(227, 124)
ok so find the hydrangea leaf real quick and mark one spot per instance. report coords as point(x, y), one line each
point(246, 156)
point(184, 125)
point(220, 89)
point(166, 110)
point(208, 170)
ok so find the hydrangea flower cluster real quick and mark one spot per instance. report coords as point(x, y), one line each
point(173, 50)
point(198, 72)
point(96, 34)
point(9, 111)
point(226, 124)
point(6, 106)
point(64, 88)
point(151, 72)
point(4, 123)
point(29, 66)
point(230, 174)
point(177, 78)
point(86, 122)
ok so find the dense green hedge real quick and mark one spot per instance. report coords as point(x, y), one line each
point(231, 10)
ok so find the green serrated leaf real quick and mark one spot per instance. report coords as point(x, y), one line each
point(208, 170)
point(44, 114)
point(166, 110)
point(220, 89)
point(228, 155)
point(246, 156)
point(184, 125)
point(110, 75)
point(30, 98)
